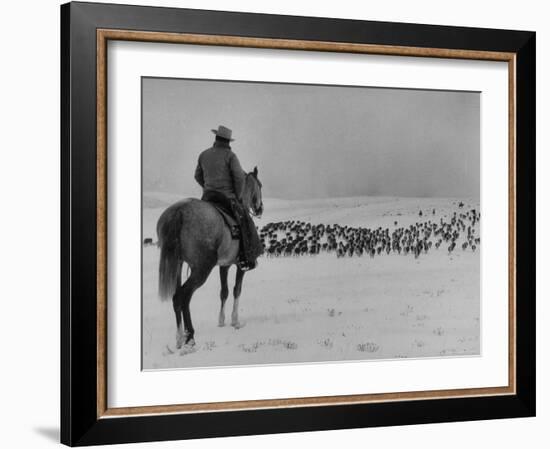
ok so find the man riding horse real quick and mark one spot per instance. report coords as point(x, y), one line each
point(220, 175)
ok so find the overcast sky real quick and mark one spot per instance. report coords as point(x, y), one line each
point(316, 141)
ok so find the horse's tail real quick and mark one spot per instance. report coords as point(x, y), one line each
point(168, 230)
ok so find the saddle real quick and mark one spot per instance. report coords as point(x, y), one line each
point(230, 221)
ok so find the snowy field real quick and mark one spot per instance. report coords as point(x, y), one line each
point(314, 308)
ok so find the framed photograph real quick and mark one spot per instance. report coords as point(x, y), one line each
point(283, 224)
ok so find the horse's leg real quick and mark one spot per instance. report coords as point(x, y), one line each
point(236, 294)
point(194, 281)
point(224, 293)
point(180, 334)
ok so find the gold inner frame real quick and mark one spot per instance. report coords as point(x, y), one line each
point(104, 35)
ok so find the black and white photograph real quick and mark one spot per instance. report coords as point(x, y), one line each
point(275, 224)
point(299, 223)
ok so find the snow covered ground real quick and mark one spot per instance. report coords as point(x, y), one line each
point(323, 308)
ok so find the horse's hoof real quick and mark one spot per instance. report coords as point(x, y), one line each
point(238, 324)
point(188, 348)
point(180, 337)
point(221, 323)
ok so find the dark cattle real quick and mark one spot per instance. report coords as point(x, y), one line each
point(298, 238)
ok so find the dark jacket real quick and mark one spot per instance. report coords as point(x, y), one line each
point(219, 170)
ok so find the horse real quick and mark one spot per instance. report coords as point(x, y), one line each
point(194, 232)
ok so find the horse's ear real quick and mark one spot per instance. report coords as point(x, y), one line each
point(255, 172)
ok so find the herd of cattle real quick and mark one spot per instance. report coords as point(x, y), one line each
point(298, 238)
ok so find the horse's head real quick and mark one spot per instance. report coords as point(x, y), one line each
point(254, 193)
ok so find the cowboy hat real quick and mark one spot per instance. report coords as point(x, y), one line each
point(223, 132)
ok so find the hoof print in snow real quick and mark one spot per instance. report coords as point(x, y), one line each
point(209, 345)
point(253, 347)
point(290, 345)
point(368, 347)
point(188, 349)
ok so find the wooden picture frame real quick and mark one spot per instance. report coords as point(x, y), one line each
point(85, 417)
